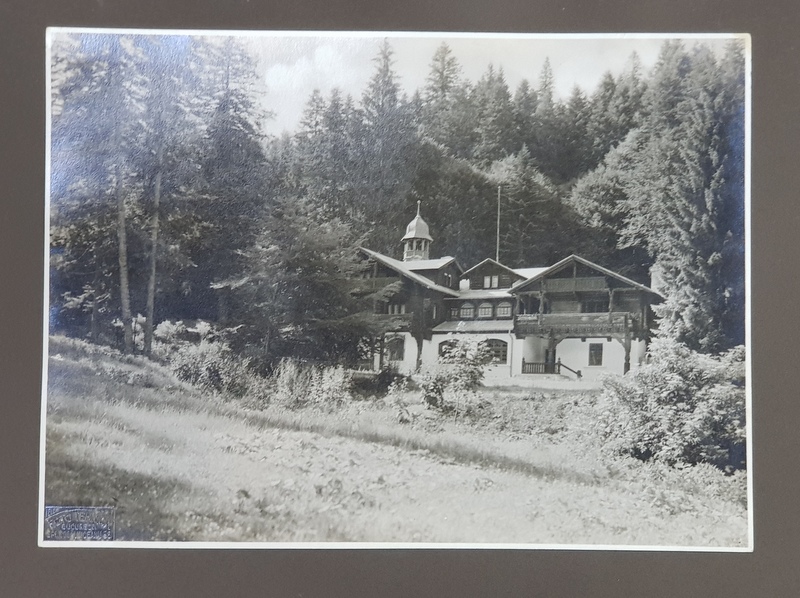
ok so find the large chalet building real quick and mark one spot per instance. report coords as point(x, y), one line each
point(574, 318)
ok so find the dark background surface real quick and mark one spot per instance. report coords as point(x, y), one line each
point(774, 567)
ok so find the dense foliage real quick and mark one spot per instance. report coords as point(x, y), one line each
point(167, 199)
point(680, 407)
point(450, 385)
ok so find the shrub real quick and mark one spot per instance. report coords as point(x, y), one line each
point(298, 385)
point(679, 407)
point(210, 366)
point(292, 382)
point(330, 386)
point(451, 384)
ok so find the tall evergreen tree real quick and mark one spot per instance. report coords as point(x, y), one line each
point(494, 124)
point(234, 169)
point(100, 118)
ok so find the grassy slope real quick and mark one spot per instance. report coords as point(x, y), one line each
point(180, 465)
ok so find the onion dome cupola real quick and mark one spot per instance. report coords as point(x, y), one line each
point(417, 240)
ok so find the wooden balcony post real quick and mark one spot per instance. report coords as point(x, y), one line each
point(627, 344)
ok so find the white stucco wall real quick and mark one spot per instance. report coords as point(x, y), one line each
point(574, 353)
point(493, 374)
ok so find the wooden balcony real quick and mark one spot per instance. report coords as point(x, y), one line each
point(574, 285)
point(576, 325)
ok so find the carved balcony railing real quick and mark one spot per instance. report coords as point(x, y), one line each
point(574, 285)
point(576, 324)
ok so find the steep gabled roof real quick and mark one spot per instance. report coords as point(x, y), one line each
point(575, 258)
point(403, 269)
point(489, 260)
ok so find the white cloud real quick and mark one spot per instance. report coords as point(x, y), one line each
point(295, 66)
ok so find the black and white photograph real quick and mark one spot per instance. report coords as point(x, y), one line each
point(382, 289)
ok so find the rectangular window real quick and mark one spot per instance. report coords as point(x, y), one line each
point(454, 313)
point(595, 353)
point(495, 281)
point(487, 282)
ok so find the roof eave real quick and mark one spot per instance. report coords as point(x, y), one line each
point(585, 262)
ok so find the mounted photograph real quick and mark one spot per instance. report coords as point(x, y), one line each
point(377, 289)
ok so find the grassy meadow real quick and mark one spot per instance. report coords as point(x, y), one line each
point(181, 464)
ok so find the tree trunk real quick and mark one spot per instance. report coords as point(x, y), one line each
point(124, 291)
point(151, 283)
point(93, 330)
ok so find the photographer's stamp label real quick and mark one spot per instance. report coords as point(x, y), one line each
point(79, 523)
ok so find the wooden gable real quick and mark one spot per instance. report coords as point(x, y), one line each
point(490, 274)
point(577, 275)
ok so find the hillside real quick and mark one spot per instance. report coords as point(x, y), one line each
point(182, 465)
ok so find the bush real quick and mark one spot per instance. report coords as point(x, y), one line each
point(451, 384)
point(679, 407)
point(330, 386)
point(210, 366)
point(298, 385)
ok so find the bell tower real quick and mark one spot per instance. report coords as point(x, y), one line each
point(417, 240)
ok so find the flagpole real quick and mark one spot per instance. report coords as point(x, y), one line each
point(497, 254)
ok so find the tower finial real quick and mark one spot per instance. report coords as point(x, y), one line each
point(418, 203)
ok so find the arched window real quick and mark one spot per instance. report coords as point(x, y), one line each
point(498, 350)
point(467, 311)
point(446, 346)
point(396, 348)
point(504, 310)
point(485, 310)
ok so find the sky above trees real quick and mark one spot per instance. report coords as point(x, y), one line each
point(291, 71)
